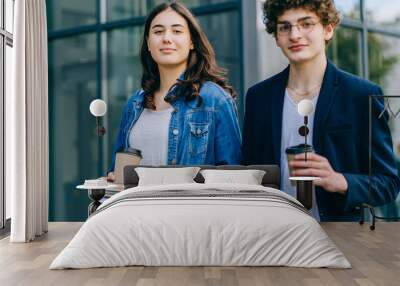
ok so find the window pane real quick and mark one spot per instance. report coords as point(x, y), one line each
point(344, 50)
point(222, 31)
point(63, 14)
point(384, 68)
point(122, 9)
point(9, 15)
point(123, 74)
point(73, 141)
point(386, 14)
point(1, 16)
point(384, 56)
point(349, 8)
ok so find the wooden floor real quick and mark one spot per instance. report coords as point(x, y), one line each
point(375, 257)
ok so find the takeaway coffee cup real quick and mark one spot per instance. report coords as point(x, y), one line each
point(304, 185)
point(291, 152)
point(128, 157)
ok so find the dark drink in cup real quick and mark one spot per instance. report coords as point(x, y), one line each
point(292, 151)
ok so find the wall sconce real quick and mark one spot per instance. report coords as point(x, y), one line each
point(305, 108)
point(98, 108)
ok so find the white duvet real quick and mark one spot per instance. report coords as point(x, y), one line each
point(183, 231)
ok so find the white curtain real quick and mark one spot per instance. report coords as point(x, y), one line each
point(27, 124)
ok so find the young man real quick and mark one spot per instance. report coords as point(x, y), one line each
point(339, 125)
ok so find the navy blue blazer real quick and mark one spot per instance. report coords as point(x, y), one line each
point(340, 134)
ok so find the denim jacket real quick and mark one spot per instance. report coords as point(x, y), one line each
point(208, 134)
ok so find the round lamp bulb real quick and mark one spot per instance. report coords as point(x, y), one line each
point(98, 107)
point(305, 107)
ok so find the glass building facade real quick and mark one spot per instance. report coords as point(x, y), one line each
point(94, 53)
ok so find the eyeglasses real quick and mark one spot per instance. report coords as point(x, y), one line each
point(304, 27)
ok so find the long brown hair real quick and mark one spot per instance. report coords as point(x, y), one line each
point(201, 64)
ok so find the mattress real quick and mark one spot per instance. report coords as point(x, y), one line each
point(201, 225)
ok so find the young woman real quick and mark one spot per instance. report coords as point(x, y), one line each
point(339, 126)
point(185, 112)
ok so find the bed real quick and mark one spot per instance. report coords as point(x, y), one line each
point(201, 224)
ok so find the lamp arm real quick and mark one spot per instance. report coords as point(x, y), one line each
point(99, 129)
point(305, 138)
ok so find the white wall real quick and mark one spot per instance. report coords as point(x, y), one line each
point(270, 58)
point(262, 58)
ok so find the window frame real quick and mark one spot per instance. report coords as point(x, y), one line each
point(366, 27)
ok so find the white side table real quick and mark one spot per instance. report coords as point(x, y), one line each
point(96, 193)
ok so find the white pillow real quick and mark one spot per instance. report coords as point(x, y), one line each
point(166, 176)
point(249, 177)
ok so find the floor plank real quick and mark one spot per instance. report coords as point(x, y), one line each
point(374, 255)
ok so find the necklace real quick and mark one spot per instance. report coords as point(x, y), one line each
point(304, 93)
point(297, 96)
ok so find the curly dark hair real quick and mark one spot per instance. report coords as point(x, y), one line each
point(325, 10)
point(201, 64)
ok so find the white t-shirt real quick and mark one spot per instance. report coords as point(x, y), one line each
point(291, 122)
point(150, 135)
